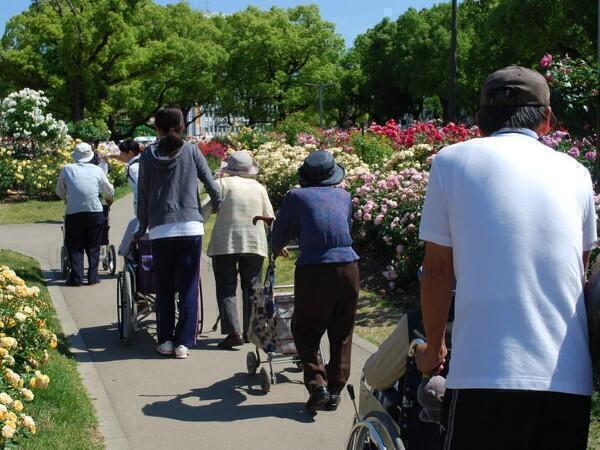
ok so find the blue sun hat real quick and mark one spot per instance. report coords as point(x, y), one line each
point(320, 169)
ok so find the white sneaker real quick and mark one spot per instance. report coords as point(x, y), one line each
point(166, 348)
point(181, 352)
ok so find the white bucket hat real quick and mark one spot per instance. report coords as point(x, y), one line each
point(83, 153)
point(240, 163)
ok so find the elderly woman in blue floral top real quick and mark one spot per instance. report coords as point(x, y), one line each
point(326, 279)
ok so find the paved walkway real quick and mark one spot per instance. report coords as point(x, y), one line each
point(145, 401)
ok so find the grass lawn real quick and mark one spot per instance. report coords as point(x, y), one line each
point(64, 415)
point(32, 211)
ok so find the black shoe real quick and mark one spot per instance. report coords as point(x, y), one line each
point(318, 399)
point(233, 340)
point(72, 284)
point(334, 402)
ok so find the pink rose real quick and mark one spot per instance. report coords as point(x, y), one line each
point(546, 60)
point(379, 219)
point(574, 152)
point(367, 217)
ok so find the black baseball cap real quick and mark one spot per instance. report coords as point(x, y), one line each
point(515, 86)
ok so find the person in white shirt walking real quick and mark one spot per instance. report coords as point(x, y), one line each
point(237, 245)
point(515, 221)
point(81, 185)
point(130, 153)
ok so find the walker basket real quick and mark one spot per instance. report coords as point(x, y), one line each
point(270, 322)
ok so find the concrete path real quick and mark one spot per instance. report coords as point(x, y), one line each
point(145, 401)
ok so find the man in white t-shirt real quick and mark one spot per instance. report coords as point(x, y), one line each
point(514, 221)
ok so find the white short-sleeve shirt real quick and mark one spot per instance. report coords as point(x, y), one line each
point(518, 216)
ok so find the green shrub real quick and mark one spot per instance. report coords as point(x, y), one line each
point(89, 130)
point(295, 124)
point(371, 148)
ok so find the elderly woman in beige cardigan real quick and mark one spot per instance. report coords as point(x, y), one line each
point(236, 245)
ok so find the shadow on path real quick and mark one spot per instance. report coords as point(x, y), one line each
point(229, 396)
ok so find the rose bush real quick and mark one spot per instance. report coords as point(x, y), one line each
point(574, 83)
point(387, 211)
point(24, 343)
point(582, 149)
point(37, 177)
point(26, 127)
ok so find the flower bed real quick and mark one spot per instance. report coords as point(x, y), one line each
point(387, 171)
point(24, 343)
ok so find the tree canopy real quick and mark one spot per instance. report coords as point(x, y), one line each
point(118, 61)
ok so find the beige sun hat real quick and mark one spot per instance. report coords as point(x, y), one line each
point(240, 163)
point(83, 153)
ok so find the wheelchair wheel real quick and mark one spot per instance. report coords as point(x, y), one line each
point(125, 296)
point(111, 260)
point(251, 363)
point(377, 431)
point(65, 266)
point(265, 380)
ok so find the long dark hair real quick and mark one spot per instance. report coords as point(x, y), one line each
point(169, 122)
point(130, 146)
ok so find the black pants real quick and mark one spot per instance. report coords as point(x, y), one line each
point(83, 233)
point(176, 263)
point(226, 269)
point(490, 419)
point(325, 301)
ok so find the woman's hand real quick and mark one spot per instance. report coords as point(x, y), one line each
point(282, 252)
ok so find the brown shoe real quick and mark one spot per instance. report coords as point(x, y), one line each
point(232, 340)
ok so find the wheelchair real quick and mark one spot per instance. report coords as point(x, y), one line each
point(108, 253)
point(136, 292)
point(389, 419)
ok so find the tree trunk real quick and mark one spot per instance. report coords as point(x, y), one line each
point(453, 64)
point(77, 105)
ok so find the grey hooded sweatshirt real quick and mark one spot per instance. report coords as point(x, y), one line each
point(168, 188)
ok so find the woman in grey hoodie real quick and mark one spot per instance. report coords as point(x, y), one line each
point(169, 208)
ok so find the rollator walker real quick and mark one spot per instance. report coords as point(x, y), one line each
point(271, 323)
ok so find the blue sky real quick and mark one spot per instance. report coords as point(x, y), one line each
point(351, 17)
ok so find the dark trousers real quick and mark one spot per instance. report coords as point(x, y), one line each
point(83, 233)
point(517, 420)
point(226, 269)
point(325, 300)
point(176, 264)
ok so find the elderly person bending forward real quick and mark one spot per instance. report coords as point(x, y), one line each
point(326, 279)
point(237, 246)
point(80, 185)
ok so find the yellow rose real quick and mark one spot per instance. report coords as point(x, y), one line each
point(8, 342)
point(53, 341)
point(3, 352)
point(27, 422)
point(8, 432)
point(27, 394)
point(41, 380)
point(3, 412)
point(5, 399)
point(18, 406)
